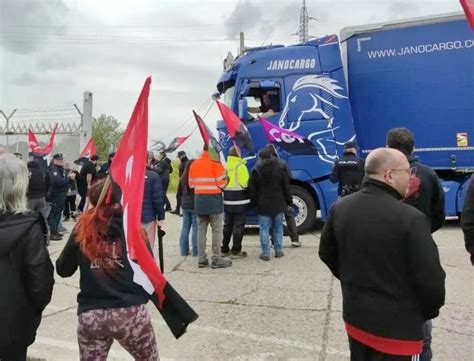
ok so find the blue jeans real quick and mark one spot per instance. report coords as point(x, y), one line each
point(276, 224)
point(189, 221)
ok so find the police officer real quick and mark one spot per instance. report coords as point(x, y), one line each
point(59, 187)
point(348, 171)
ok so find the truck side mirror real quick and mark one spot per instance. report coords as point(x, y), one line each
point(243, 108)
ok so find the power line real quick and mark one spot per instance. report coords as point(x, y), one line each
point(120, 26)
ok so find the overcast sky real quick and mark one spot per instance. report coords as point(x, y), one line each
point(51, 51)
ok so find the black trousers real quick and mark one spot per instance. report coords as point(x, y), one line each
point(70, 205)
point(291, 224)
point(361, 352)
point(13, 353)
point(58, 201)
point(234, 227)
point(83, 193)
point(179, 195)
point(165, 190)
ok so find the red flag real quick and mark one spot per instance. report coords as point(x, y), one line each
point(86, 154)
point(49, 147)
point(237, 130)
point(128, 172)
point(89, 150)
point(468, 6)
point(34, 147)
point(215, 149)
point(175, 144)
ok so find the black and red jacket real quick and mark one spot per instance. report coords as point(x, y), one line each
point(382, 251)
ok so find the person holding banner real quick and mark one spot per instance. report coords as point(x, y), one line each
point(111, 306)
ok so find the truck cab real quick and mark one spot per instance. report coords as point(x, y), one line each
point(300, 88)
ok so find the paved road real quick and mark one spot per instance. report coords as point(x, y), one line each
point(286, 309)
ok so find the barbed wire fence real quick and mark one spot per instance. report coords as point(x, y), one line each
point(74, 127)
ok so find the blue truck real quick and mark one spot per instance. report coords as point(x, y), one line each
point(417, 74)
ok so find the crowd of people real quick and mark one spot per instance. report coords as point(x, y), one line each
point(377, 241)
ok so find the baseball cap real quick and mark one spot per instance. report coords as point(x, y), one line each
point(58, 156)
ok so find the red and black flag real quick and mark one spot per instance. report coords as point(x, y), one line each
point(237, 130)
point(86, 154)
point(128, 174)
point(175, 144)
point(214, 147)
point(291, 142)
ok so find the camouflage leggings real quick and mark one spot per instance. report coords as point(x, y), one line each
point(130, 326)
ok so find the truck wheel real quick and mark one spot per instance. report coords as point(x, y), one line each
point(304, 208)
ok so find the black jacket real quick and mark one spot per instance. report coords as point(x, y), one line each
point(467, 220)
point(182, 165)
point(101, 286)
point(348, 172)
point(269, 187)
point(26, 277)
point(37, 186)
point(164, 169)
point(59, 180)
point(426, 193)
point(382, 252)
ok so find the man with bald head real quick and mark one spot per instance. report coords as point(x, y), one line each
point(382, 252)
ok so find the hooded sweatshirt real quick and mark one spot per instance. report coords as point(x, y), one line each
point(26, 277)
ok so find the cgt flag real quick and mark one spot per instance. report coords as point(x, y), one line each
point(215, 149)
point(237, 130)
point(468, 6)
point(289, 141)
point(128, 173)
point(86, 154)
point(175, 144)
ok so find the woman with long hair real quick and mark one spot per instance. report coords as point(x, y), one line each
point(111, 305)
point(26, 271)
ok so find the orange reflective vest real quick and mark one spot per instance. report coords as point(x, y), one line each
point(207, 176)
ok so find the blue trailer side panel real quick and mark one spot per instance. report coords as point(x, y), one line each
point(419, 77)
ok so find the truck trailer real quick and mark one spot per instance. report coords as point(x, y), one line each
point(416, 73)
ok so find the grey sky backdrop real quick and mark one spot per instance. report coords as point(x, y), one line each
point(51, 51)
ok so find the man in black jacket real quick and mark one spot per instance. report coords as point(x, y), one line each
point(382, 251)
point(164, 169)
point(179, 193)
point(37, 189)
point(348, 171)
point(425, 192)
point(269, 190)
point(59, 188)
point(467, 220)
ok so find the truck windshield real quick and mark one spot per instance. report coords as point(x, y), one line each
point(228, 94)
